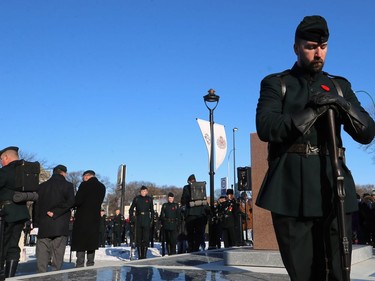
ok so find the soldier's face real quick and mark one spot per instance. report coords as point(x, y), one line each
point(311, 55)
point(144, 192)
point(170, 199)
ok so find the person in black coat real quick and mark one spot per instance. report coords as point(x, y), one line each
point(88, 202)
point(51, 216)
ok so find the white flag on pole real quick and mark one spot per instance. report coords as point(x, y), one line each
point(206, 133)
point(220, 144)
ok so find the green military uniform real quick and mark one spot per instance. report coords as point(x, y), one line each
point(141, 213)
point(299, 180)
point(296, 179)
point(15, 215)
point(170, 218)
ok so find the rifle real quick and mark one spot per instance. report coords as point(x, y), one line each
point(162, 240)
point(132, 237)
point(340, 195)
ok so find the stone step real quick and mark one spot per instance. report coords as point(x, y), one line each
point(246, 256)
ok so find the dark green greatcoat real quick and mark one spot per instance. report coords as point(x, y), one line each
point(298, 185)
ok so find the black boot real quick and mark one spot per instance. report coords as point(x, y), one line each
point(10, 268)
point(145, 252)
point(139, 250)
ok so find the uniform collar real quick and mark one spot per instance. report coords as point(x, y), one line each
point(301, 72)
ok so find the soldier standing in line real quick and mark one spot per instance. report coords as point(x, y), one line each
point(170, 217)
point(102, 229)
point(15, 215)
point(228, 210)
point(118, 225)
point(141, 214)
point(196, 215)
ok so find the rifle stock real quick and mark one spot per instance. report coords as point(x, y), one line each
point(339, 192)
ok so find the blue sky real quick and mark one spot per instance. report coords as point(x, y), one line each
point(95, 84)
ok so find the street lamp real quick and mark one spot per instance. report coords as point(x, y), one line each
point(368, 94)
point(234, 162)
point(211, 98)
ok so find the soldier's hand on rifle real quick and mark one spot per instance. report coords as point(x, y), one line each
point(336, 102)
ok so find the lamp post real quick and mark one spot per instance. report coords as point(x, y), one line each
point(368, 94)
point(211, 98)
point(234, 162)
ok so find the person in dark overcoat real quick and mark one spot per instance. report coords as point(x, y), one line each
point(170, 219)
point(141, 214)
point(51, 214)
point(15, 214)
point(298, 188)
point(88, 202)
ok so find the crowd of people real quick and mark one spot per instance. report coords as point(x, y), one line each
point(52, 210)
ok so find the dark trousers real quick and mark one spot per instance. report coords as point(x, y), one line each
point(171, 241)
point(12, 234)
point(81, 258)
point(195, 227)
point(306, 243)
point(142, 236)
point(228, 234)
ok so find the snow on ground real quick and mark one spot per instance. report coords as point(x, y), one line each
point(109, 253)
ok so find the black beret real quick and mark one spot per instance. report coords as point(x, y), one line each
point(91, 172)
point(229, 191)
point(15, 148)
point(61, 168)
point(313, 28)
point(143, 187)
point(191, 177)
point(170, 194)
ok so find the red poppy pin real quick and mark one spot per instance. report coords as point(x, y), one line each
point(325, 88)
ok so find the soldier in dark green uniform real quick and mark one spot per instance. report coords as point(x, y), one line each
point(15, 214)
point(228, 210)
point(170, 218)
point(118, 225)
point(298, 187)
point(141, 213)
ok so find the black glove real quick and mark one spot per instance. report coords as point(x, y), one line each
point(304, 119)
point(346, 113)
point(336, 102)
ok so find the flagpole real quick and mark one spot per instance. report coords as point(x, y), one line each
point(211, 98)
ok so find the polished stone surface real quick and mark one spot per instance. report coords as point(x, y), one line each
point(200, 266)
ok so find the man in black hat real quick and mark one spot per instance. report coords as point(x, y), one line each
point(170, 219)
point(298, 190)
point(228, 210)
point(51, 214)
point(86, 226)
point(15, 215)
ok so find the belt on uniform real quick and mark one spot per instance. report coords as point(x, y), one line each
point(143, 213)
point(308, 149)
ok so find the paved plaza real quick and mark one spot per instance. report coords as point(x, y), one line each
point(209, 265)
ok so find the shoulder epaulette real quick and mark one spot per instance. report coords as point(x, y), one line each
point(335, 76)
